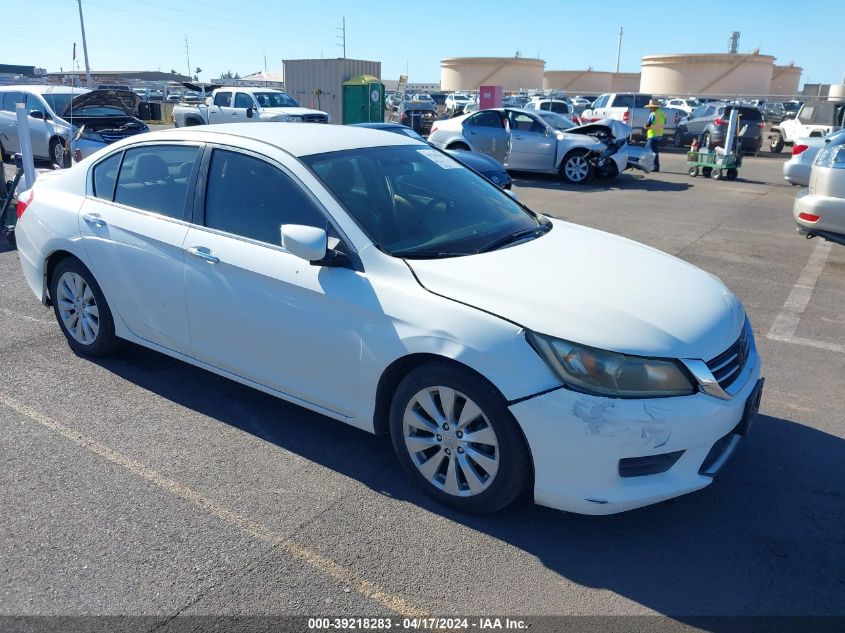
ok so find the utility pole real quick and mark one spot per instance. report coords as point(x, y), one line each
point(619, 49)
point(188, 57)
point(342, 36)
point(84, 46)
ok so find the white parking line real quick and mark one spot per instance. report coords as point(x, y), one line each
point(311, 558)
point(786, 322)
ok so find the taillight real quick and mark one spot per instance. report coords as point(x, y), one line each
point(626, 116)
point(720, 121)
point(761, 125)
point(23, 202)
point(433, 130)
point(809, 217)
point(798, 149)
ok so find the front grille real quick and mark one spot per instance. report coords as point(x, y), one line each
point(315, 118)
point(728, 365)
point(111, 137)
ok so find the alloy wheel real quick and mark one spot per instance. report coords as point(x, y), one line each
point(77, 308)
point(451, 442)
point(576, 169)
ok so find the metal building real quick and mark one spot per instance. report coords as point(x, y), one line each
point(512, 73)
point(318, 83)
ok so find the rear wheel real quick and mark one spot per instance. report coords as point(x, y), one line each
point(693, 171)
point(776, 143)
point(575, 168)
point(705, 140)
point(731, 174)
point(455, 437)
point(716, 174)
point(81, 309)
point(678, 139)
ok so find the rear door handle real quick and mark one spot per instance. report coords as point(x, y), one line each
point(93, 218)
point(203, 253)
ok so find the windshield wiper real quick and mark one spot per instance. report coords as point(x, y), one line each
point(412, 254)
point(515, 237)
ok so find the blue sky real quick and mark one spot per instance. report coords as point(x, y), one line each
point(237, 34)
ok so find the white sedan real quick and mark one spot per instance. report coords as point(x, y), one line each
point(374, 279)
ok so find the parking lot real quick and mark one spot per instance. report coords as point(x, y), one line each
point(141, 485)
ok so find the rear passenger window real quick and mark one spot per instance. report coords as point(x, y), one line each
point(155, 178)
point(10, 99)
point(249, 197)
point(223, 99)
point(105, 175)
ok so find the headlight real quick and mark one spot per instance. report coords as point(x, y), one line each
point(292, 118)
point(604, 373)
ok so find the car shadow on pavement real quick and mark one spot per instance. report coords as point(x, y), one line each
point(766, 538)
point(624, 182)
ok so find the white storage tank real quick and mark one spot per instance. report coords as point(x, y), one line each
point(577, 81)
point(836, 93)
point(721, 74)
point(785, 81)
point(512, 73)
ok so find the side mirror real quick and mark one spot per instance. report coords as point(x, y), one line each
point(249, 112)
point(36, 114)
point(209, 101)
point(306, 242)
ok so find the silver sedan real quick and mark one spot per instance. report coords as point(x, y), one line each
point(820, 210)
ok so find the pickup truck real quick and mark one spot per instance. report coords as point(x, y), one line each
point(629, 107)
point(816, 118)
point(233, 105)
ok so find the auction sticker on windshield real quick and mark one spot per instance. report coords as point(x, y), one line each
point(444, 161)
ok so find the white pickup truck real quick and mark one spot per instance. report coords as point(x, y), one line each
point(233, 105)
point(629, 107)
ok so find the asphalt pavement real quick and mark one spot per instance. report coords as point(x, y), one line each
point(141, 485)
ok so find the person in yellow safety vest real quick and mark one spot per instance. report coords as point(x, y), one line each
point(654, 130)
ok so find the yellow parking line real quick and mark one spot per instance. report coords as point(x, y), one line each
point(319, 562)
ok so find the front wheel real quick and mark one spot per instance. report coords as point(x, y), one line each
point(81, 309)
point(57, 151)
point(575, 168)
point(455, 437)
point(693, 171)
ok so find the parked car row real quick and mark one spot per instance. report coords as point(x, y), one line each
point(709, 124)
point(819, 210)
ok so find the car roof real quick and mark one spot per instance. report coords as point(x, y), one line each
point(44, 88)
point(299, 139)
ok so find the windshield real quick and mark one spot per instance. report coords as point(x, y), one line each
point(791, 107)
point(274, 100)
point(58, 102)
point(557, 121)
point(416, 202)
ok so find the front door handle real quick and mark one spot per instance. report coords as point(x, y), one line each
point(203, 253)
point(96, 220)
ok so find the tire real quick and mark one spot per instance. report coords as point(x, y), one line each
point(693, 171)
point(73, 289)
point(705, 140)
point(486, 475)
point(459, 146)
point(731, 174)
point(716, 174)
point(4, 157)
point(678, 139)
point(575, 168)
point(57, 151)
point(706, 171)
point(776, 143)
point(191, 122)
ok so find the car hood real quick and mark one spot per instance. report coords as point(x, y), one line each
point(124, 100)
point(618, 129)
point(596, 289)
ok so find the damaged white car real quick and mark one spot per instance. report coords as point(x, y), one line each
point(545, 142)
point(504, 352)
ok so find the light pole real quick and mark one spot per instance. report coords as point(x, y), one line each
point(84, 46)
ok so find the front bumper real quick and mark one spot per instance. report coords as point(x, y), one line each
point(577, 442)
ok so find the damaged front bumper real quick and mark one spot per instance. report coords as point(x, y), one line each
point(595, 455)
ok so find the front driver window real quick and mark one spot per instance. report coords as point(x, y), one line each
point(250, 197)
point(243, 100)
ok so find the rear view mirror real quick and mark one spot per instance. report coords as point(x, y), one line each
point(36, 114)
point(249, 112)
point(306, 242)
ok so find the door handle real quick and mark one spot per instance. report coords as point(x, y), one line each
point(204, 254)
point(93, 218)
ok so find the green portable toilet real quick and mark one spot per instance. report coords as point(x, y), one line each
point(363, 100)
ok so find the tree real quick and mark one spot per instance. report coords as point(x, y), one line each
point(173, 72)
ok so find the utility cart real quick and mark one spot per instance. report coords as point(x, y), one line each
point(713, 165)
